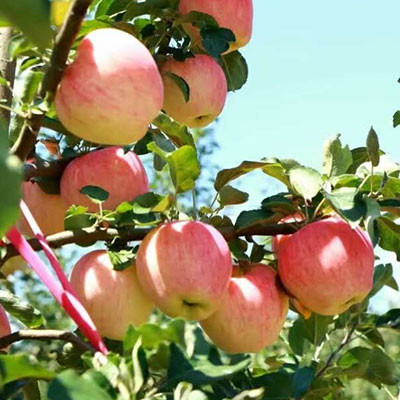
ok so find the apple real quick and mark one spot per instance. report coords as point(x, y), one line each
point(327, 266)
point(236, 15)
point(47, 209)
point(252, 312)
point(5, 328)
point(121, 174)
point(112, 91)
point(113, 298)
point(16, 263)
point(185, 267)
point(295, 218)
point(207, 95)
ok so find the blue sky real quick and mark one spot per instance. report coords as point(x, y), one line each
point(317, 68)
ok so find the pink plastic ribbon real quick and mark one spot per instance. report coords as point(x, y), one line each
point(61, 289)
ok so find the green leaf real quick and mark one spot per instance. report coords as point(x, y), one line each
point(77, 217)
point(183, 164)
point(227, 175)
point(95, 193)
point(336, 159)
point(373, 147)
point(136, 9)
point(145, 203)
point(301, 381)
point(236, 70)
point(181, 83)
point(307, 182)
point(389, 235)
point(202, 373)
point(247, 219)
point(396, 119)
point(278, 203)
point(372, 365)
point(139, 367)
point(348, 203)
point(178, 134)
point(312, 329)
point(68, 385)
point(391, 319)
point(23, 311)
point(383, 276)
point(10, 184)
point(17, 367)
point(229, 195)
point(199, 19)
point(31, 16)
point(121, 259)
point(216, 40)
point(279, 169)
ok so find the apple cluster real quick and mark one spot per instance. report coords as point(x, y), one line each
point(109, 95)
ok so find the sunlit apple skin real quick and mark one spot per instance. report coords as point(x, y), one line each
point(5, 328)
point(327, 265)
point(112, 91)
point(236, 15)
point(208, 90)
point(47, 209)
point(121, 174)
point(252, 312)
point(114, 299)
point(185, 267)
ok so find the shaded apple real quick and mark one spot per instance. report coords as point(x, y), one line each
point(296, 218)
point(207, 90)
point(252, 312)
point(184, 267)
point(327, 266)
point(47, 209)
point(114, 299)
point(112, 91)
point(236, 15)
point(121, 174)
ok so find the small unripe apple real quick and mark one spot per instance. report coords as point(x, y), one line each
point(13, 264)
point(185, 267)
point(114, 299)
point(252, 312)
point(5, 328)
point(236, 15)
point(121, 174)
point(47, 209)
point(207, 95)
point(327, 266)
point(112, 91)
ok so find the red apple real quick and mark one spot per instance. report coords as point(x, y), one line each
point(113, 299)
point(5, 328)
point(288, 219)
point(208, 90)
point(327, 266)
point(236, 15)
point(121, 174)
point(185, 267)
point(252, 312)
point(112, 91)
point(47, 209)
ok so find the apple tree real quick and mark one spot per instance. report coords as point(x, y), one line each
point(104, 145)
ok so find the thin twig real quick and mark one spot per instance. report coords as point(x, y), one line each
point(331, 358)
point(44, 335)
point(63, 42)
point(90, 235)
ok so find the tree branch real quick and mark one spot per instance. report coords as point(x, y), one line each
point(63, 42)
point(45, 169)
point(87, 236)
point(44, 335)
point(7, 71)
